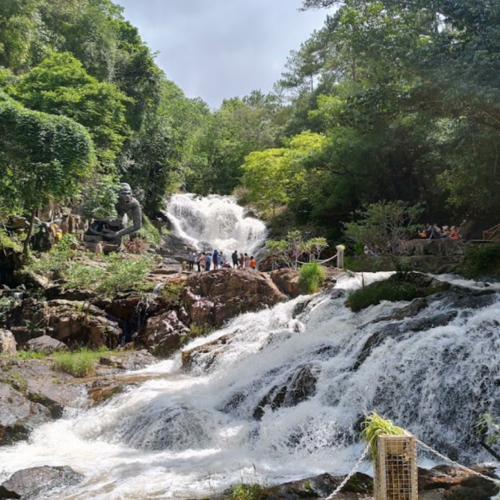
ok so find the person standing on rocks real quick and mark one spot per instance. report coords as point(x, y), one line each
point(200, 256)
point(234, 256)
point(247, 261)
point(207, 261)
point(242, 261)
point(191, 259)
point(215, 259)
point(252, 263)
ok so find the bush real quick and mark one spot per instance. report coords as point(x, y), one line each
point(124, 273)
point(312, 276)
point(481, 261)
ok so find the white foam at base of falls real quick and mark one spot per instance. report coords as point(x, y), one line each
point(215, 223)
point(191, 434)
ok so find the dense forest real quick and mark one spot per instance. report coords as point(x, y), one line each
point(389, 100)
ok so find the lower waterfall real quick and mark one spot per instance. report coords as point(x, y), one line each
point(282, 398)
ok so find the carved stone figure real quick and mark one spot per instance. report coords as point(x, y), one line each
point(112, 230)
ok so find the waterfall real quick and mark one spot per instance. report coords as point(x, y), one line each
point(215, 222)
point(282, 397)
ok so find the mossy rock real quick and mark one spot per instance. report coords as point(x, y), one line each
point(400, 286)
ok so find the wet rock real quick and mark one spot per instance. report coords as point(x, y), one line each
point(163, 334)
point(298, 387)
point(190, 356)
point(7, 342)
point(18, 416)
point(45, 345)
point(102, 390)
point(287, 281)
point(217, 296)
point(31, 483)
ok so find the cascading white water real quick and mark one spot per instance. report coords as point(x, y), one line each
point(192, 433)
point(215, 222)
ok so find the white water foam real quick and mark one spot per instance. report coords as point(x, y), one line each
point(193, 433)
point(215, 223)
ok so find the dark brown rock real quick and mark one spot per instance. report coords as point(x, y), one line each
point(135, 360)
point(163, 334)
point(215, 348)
point(29, 483)
point(298, 387)
point(214, 297)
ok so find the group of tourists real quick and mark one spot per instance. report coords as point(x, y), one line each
point(218, 260)
point(434, 232)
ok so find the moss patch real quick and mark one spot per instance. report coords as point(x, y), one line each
point(398, 287)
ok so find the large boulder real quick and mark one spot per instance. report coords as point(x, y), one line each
point(31, 483)
point(7, 342)
point(45, 345)
point(163, 334)
point(18, 416)
point(214, 297)
point(287, 281)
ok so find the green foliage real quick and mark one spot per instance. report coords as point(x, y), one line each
point(8, 242)
point(30, 355)
point(198, 330)
point(481, 261)
point(374, 426)
point(311, 277)
point(149, 232)
point(488, 428)
point(124, 273)
point(78, 363)
point(384, 226)
point(246, 492)
point(172, 293)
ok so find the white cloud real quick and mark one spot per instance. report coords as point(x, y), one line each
point(217, 49)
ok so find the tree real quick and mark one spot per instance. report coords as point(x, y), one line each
point(61, 86)
point(384, 227)
point(42, 157)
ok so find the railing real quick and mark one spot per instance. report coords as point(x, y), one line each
point(492, 234)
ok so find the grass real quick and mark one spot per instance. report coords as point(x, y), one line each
point(30, 355)
point(311, 277)
point(373, 426)
point(246, 491)
point(78, 363)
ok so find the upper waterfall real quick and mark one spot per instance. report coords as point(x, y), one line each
point(215, 222)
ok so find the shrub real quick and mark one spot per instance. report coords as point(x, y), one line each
point(31, 355)
point(481, 261)
point(82, 276)
point(124, 273)
point(312, 276)
point(374, 426)
point(246, 492)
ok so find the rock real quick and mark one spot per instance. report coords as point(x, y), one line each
point(18, 416)
point(136, 360)
point(163, 334)
point(444, 247)
point(7, 342)
point(45, 344)
point(214, 348)
point(102, 390)
point(31, 483)
point(287, 281)
point(211, 298)
point(40, 384)
point(298, 387)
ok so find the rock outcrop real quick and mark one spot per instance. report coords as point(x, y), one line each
point(30, 483)
point(213, 298)
point(7, 342)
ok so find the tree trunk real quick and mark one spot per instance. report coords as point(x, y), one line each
point(26, 246)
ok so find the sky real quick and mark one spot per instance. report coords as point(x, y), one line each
point(216, 49)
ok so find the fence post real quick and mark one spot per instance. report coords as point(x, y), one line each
point(340, 256)
point(395, 475)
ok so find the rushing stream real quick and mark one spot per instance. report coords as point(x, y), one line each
point(190, 433)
